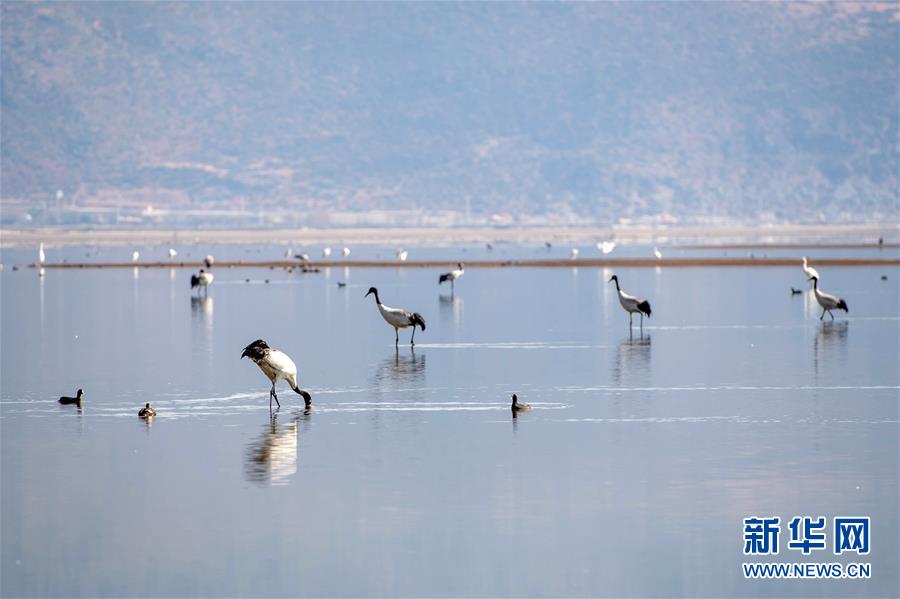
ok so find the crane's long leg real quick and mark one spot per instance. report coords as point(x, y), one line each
point(823, 314)
point(630, 319)
point(831, 314)
point(396, 336)
point(642, 321)
point(275, 395)
point(412, 340)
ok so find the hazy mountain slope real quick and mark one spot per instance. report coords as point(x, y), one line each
point(596, 109)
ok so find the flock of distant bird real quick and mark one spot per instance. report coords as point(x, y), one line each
point(278, 366)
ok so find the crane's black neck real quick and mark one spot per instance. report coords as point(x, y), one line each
point(616, 281)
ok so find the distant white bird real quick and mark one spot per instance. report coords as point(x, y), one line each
point(276, 365)
point(574, 254)
point(202, 280)
point(606, 246)
point(631, 304)
point(345, 252)
point(809, 271)
point(172, 253)
point(289, 253)
point(657, 253)
point(827, 301)
point(209, 261)
point(41, 255)
point(135, 256)
point(402, 254)
point(452, 275)
point(326, 252)
point(398, 318)
point(303, 257)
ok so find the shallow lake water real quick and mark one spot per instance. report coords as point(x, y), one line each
point(631, 475)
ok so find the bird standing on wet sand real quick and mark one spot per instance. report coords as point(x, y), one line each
point(41, 255)
point(172, 253)
point(72, 400)
point(518, 407)
point(402, 254)
point(147, 411)
point(452, 275)
point(276, 365)
point(398, 318)
point(202, 280)
point(827, 301)
point(209, 261)
point(135, 256)
point(631, 304)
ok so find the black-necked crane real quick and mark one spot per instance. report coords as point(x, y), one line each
point(631, 304)
point(326, 252)
point(41, 255)
point(808, 270)
point(517, 406)
point(402, 255)
point(345, 252)
point(147, 411)
point(202, 280)
point(573, 255)
point(172, 253)
point(827, 301)
point(398, 318)
point(72, 400)
point(277, 366)
point(135, 256)
point(209, 261)
point(657, 253)
point(452, 275)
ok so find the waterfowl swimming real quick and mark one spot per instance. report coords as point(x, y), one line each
point(827, 301)
point(518, 407)
point(72, 400)
point(796, 291)
point(631, 304)
point(147, 411)
point(398, 318)
point(276, 365)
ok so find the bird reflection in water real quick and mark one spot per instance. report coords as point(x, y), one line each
point(272, 459)
point(632, 359)
point(451, 309)
point(400, 368)
point(830, 337)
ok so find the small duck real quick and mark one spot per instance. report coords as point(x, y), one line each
point(796, 291)
point(518, 407)
point(72, 400)
point(342, 284)
point(147, 411)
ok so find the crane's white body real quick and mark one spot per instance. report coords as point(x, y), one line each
point(209, 260)
point(135, 256)
point(277, 366)
point(345, 252)
point(657, 253)
point(574, 254)
point(809, 271)
point(202, 280)
point(41, 255)
point(172, 253)
point(631, 303)
point(402, 255)
point(827, 301)
point(398, 318)
point(326, 252)
point(452, 276)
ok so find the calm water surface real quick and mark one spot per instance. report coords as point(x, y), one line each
point(630, 476)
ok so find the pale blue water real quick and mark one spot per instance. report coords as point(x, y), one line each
point(630, 476)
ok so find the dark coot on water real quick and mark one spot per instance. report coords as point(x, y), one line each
point(65, 400)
